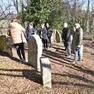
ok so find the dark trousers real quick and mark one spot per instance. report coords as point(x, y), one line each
point(65, 45)
point(45, 43)
point(20, 50)
point(50, 44)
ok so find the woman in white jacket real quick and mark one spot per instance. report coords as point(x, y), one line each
point(17, 33)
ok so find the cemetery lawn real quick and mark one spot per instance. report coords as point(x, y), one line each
point(21, 78)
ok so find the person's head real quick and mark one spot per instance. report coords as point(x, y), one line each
point(14, 19)
point(42, 25)
point(74, 29)
point(47, 25)
point(31, 24)
point(65, 25)
point(77, 25)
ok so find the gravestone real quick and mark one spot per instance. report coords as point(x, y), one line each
point(46, 72)
point(4, 25)
point(56, 36)
point(5, 45)
point(34, 51)
point(53, 38)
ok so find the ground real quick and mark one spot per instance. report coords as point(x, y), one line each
point(21, 78)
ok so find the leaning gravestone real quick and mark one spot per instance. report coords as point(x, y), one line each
point(46, 72)
point(56, 36)
point(5, 45)
point(34, 51)
point(53, 38)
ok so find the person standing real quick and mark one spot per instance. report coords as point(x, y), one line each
point(78, 44)
point(73, 41)
point(17, 33)
point(43, 35)
point(66, 39)
point(49, 34)
point(29, 30)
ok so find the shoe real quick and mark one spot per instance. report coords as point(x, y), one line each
point(80, 60)
point(73, 62)
point(23, 61)
point(45, 49)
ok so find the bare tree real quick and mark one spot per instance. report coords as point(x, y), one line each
point(88, 17)
point(5, 9)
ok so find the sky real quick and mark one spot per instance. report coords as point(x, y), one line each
point(4, 3)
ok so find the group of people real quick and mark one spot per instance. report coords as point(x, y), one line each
point(20, 35)
point(44, 32)
point(76, 46)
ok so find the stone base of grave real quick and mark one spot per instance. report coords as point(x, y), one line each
point(46, 72)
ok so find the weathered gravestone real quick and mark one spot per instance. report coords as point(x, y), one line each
point(46, 72)
point(56, 36)
point(5, 45)
point(34, 51)
point(53, 38)
point(4, 24)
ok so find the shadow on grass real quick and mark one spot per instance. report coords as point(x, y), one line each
point(32, 75)
point(3, 53)
point(57, 57)
point(72, 82)
point(84, 70)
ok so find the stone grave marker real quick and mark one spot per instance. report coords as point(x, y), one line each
point(34, 51)
point(5, 45)
point(46, 72)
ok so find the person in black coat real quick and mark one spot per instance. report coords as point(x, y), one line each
point(42, 32)
point(66, 39)
point(49, 34)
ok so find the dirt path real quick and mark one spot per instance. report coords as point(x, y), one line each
point(19, 78)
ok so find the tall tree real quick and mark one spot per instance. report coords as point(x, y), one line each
point(88, 17)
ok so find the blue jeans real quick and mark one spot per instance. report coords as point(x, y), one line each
point(81, 52)
point(78, 54)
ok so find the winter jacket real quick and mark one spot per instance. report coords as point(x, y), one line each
point(17, 33)
point(29, 32)
point(49, 32)
point(66, 34)
point(43, 33)
point(78, 37)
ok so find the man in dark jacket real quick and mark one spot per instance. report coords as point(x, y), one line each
point(66, 39)
point(78, 43)
point(49, 34)
point(43, 35)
